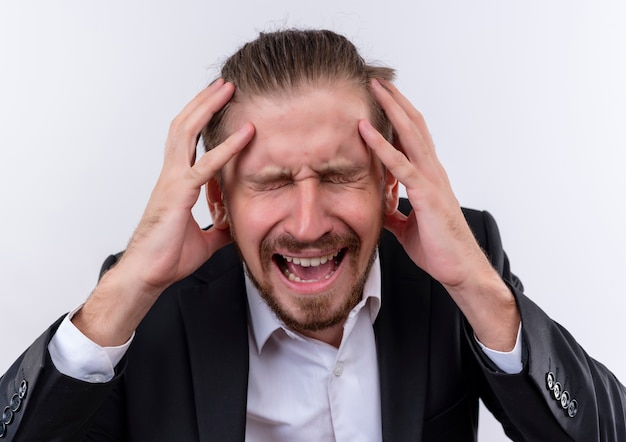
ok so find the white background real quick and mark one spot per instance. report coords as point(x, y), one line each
point(526, 101)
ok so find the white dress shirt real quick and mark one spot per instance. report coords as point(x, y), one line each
point(300, 389)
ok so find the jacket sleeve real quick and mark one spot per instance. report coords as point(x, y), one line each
point(39, 403)
point(561, 393)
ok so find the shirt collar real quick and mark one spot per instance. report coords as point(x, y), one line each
point(264, 322)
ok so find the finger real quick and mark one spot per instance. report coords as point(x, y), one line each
point(200, 97)
point(411, 139)
point(212, 161)
point(205, 105)
point(394, 160)
point(185, 128)
point(415, 115)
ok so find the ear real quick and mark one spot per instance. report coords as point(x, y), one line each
point(392, 197)
point(215, 199)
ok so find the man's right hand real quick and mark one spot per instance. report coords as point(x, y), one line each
point(168, 244)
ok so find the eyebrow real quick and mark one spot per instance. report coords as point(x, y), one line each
point(341, 170)
point(273, 176)
point(266, 177)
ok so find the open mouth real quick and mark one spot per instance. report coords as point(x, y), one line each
point(309, 269)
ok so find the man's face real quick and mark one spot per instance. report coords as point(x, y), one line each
point(305, 202)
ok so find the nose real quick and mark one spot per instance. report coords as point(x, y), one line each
point(309, 218)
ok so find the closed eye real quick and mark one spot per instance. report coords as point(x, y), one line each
point(340, 179)
point(343, 177)
point(269, 181)
point(271, 185)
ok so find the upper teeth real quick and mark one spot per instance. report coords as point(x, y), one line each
point(310, 262)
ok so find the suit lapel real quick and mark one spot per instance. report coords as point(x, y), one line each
point(215, 318)
point(402, 338)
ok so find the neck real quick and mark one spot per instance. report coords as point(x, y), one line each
point(331, 335)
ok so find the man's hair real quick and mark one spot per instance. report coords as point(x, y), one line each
point(279, 63)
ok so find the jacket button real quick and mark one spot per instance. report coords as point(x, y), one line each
point(572, 409)
point(23, 389)
point(565, 400)
point(15, 403)
point(557, 391)
point(550, 380)
point(7, 416)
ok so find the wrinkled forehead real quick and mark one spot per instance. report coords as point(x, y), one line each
point(313, 125)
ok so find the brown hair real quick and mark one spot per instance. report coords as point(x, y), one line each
point(278, 63)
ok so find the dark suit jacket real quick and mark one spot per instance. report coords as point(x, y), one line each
point(185, 375)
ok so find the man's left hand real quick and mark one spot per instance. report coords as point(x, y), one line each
point(435, 234)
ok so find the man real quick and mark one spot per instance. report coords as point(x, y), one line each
point(318, 306)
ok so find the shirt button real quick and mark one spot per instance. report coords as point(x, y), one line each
point(338, 370)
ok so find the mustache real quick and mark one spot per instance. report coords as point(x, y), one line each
point(329, 241)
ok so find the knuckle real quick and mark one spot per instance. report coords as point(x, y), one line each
point(175, 124)
point(180, 127)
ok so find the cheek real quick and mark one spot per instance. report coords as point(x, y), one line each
point(364, 216)
point(366, 205)
point(252, 220)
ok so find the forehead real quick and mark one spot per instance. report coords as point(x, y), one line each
point(312, 126)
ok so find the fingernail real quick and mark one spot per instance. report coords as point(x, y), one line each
point(246, 128)
point(366, 125)
point(382, 84)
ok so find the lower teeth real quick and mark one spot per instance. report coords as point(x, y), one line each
point(295, 278)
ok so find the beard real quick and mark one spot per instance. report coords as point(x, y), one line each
point(315, 312)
